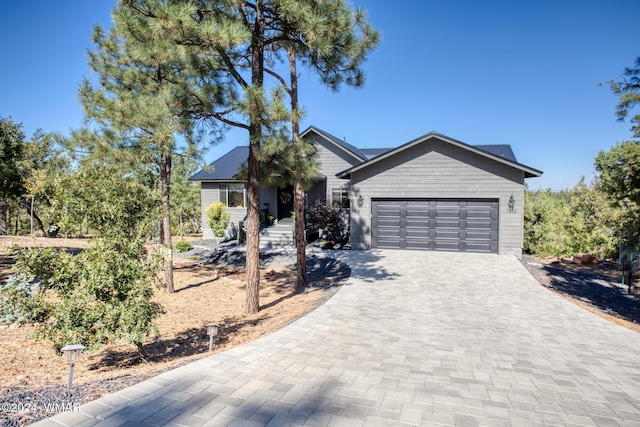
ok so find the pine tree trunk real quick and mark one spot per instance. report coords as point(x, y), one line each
point(252, 297)
point(3, 216)
point(165, 178)
point(301, 244)
point(298, 195)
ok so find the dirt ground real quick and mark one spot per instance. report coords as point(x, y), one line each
point(597, 288)
point(204, 294)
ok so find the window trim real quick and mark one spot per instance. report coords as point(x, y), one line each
point(344, 194)
point(223, 189)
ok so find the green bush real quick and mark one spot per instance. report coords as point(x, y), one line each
point(18, 300)
point(569, 222)
point(94, 298)
point(183, 246)
point(218, 218)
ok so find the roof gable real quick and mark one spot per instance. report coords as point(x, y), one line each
point(227, 167)
point(499, 153)
point(343, 145)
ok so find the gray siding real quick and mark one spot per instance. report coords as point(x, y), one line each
point(268, 195)
point(317, 193)
point(435, 169)
point(210, 192)
point(332, 160)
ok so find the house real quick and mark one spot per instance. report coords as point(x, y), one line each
point(432, 193)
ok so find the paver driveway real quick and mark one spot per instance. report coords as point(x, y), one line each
point(420, 338)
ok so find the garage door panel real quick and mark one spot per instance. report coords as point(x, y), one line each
point(419, 244)
point(418, 234)
point(480, 225)
point(448, 234)
point(389, 222)
point(478, 235)
point(389, 232)
point(478, 247)
point(389, 244)
point(448, 245)
point(479, 215)
point(445, 202)
point(446, 224)
point(417, 222)
point(447, 214)
point(443, 225)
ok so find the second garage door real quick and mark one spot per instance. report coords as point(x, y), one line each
point(459, 225)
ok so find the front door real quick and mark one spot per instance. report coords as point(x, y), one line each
point(285, 202)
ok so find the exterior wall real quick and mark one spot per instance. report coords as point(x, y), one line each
point(269, 195)
point(209, 193)
point(332, 160)
point(316, 193)
point(433, 169)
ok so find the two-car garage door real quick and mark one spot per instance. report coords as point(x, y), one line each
point(460, 225)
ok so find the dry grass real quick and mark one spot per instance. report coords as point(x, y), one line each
point(203, 294)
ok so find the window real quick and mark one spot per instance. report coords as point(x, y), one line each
point(340, 198)
point(232, 195)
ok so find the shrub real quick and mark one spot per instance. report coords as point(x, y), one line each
point(329, 219)
point(18, 300)
point(99, 296)
point(183, 246)
point(569, 222)
point(218, 218)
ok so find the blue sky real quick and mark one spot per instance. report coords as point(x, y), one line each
point(482, 72)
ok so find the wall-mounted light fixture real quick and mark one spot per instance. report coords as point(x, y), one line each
point(360, 201)
point(512, 204)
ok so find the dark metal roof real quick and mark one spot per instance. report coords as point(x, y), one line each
point(225, 168)
point(370, 153)
point(502, 150)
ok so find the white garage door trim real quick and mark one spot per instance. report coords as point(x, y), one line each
point(458, 225)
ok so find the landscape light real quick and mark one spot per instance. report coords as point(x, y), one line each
point(212, 331)
point(73, 354)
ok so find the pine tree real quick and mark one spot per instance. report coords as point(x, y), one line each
point(148, 93)
point(240, 40)
point(333, 41)
point(628, 92)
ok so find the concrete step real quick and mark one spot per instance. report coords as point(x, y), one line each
point(276, 236)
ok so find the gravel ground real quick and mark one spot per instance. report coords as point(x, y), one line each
point(20, 407)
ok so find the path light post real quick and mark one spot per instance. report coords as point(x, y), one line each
point(73, 354)
point(212, 331)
